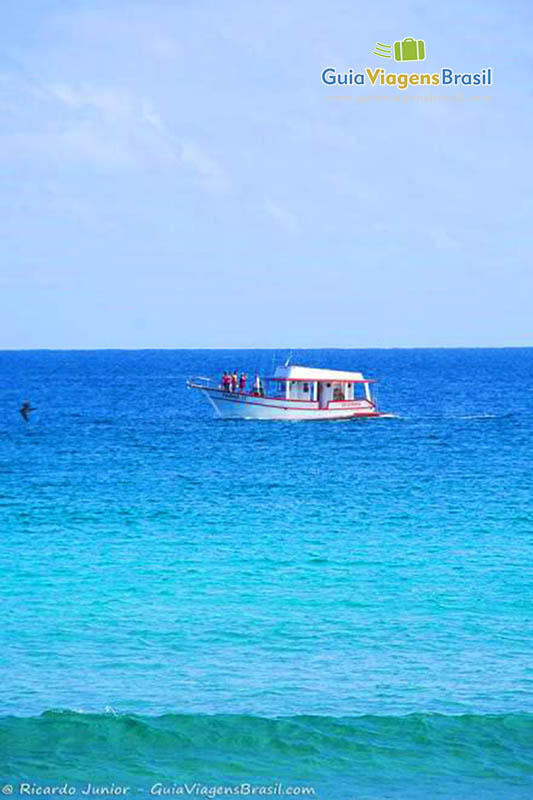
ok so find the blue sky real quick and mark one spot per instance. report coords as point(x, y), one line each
point(174, 175)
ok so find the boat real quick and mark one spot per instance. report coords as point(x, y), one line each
point(293, 393)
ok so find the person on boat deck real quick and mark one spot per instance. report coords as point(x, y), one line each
point(234, 380)
point(258, 385)
point(242, 382)
point(226, 381)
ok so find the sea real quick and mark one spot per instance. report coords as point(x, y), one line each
point(194, 607)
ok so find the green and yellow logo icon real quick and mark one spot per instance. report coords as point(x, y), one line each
point(405, 50)
point(383, 50)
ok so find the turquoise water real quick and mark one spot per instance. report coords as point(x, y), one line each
point(345, 606)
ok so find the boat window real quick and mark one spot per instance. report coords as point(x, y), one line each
point(338, 391)
point(306, 387)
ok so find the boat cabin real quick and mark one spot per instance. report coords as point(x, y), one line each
point(321, 386)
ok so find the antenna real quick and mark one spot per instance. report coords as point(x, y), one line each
point(288, 361)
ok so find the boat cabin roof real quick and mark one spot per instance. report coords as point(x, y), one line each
point(294, 373)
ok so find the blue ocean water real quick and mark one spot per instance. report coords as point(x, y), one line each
point(342, 606)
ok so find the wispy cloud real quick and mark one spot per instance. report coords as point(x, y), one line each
point(281, 216)
point(108, 126)
point(151, 117)
point(207, 168)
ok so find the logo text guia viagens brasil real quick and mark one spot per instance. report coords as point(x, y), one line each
point(405, 50)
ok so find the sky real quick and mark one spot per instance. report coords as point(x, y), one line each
point(174, 173)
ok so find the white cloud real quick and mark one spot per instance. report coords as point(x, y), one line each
point(281, 216)
point(128, 116)
point(151, 117)
point(108, 126)
point(211, 173)
point(110, 102)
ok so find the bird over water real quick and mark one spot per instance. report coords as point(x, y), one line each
point(25, 410)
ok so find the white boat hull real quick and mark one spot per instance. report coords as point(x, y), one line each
point(236, 405)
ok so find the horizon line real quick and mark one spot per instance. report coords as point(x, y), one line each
point(269, 349)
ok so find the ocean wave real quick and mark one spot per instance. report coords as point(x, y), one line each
point(492, 751)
